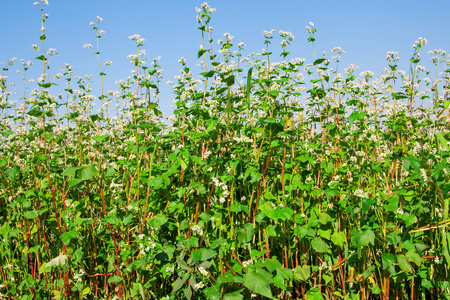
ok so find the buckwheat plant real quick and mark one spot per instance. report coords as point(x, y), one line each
point(272, 180)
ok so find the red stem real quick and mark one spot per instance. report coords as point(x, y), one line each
point(109, 225)
point(54, 203)
point(259, 185)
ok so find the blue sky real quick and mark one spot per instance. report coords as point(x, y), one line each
point(366, 30)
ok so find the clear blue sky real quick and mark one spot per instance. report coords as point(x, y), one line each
point(366, 30)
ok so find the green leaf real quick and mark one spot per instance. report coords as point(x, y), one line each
point(74, 182)
point(399, 95)
point(258, 282)
point(100, 138)
point(404, 264)
point(303, 231)
point(78, 254)
point(245, 234)
point(325, 233)
point(208, 74)
point(188, 292)
point(12, 172)
point(324, 218)
point(94, 118)
point(338, 238)
point(112, 219)
point(43, 268)
point(183, 163)
point(88, 172)
point(86, 291)
point(60, 260)
point(414, 257)
point(236, 295)
point(128, 219)
point(388, 260)
point(70, 171)
point(272, 230)
point(212, 293)
point(202, 254)
point(31, 214)
point(156, 183)
point(362, 238)
point(376, 289)
point(356, 115)
point(302, 273)
point(180, 282)
point(110, 171)
point(413, 162)
point(282, 213)
point(443, 141)
point(319, 245)
point(5, 229)
point(408, 246)
point(201, 52)
point(7, 133)
point(157, 221)
point(229, 80)
point(314, 294)
point(228, 277)
point(319, 61)
point(367, 237)
point(36, 113)
point(249, 84)
point(269, 196)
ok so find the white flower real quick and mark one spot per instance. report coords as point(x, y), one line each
point(360, 193)
point(424, 174)
point(99, 19)
point(203, 271)
point(134, 37)
point(199, 285)
point(88, 46)
point(197, 229)
point(247, 263)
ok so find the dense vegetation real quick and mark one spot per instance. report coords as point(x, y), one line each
point(273, 180)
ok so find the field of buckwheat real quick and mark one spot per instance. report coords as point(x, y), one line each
point(272, 180)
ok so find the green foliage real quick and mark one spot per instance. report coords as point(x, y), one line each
point(263, 185)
